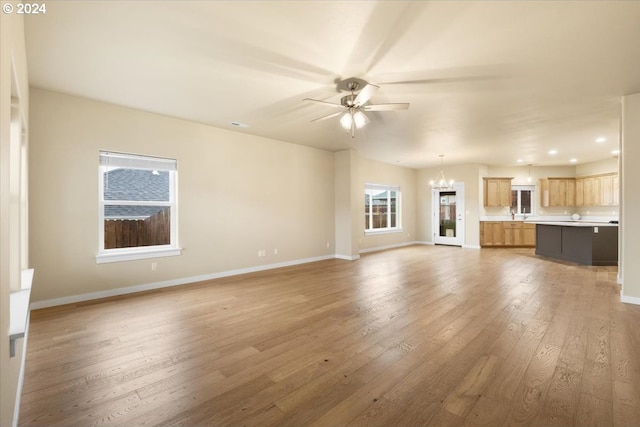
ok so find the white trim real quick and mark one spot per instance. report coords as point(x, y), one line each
point(472, 246)
point(375, 231)
point(167, 165)
point(459, 239)
point(368, 190)
point(630, 300)
point(23, 359)
point(164, 284)
point(424, 242)
point(385, 247)
point(132, 255)
point(347, 257)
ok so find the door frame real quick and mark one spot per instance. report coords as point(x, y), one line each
point(458, 187)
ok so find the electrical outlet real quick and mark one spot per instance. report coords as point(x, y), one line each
point(328, 244)
point(154, 266)
point(275, 251)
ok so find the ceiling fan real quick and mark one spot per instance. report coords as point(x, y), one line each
point(353, 106)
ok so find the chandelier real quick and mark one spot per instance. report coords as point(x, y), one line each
point(441, 183)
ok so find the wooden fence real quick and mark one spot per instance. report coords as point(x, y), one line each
point(128, 233)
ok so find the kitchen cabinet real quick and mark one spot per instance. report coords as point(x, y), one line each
point(609, 190)
point(558, 192)
point(497, 191)
point(528, 235)
point(579, 191)
point(512, 233)
point(491, 233)
point(598, 190)
point(584, 243)
point(592, 191)
point(507, 233)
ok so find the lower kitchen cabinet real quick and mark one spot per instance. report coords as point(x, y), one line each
point(507, 233)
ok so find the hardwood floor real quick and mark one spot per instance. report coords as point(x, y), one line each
point(421, 335)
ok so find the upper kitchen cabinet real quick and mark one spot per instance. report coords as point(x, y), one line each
point(558, 192)
point(497, 191)
point(598, 190)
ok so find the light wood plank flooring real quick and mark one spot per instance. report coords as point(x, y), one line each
point(420, 335)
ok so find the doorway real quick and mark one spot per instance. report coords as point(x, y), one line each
point(448, 215)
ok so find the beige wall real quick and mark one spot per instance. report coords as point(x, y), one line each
point(609, 165)
point(345, 185)
point(630, 200)
point(237, 194)
point(13, 229)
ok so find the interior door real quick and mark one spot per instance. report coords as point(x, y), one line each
point(448, 216)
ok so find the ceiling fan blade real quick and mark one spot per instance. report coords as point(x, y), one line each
point(445, 80)
point(386, 107)
point(364, 95)
point(329, 104)
point(327, 116)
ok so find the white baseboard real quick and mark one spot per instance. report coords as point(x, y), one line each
point(421, 242)
point(472, 246)
point(348, 257)
point(167, 283)
point(630, 300)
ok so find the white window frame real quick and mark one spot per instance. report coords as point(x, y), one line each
point(109, 159)
point(370, 189)
point(519, 189)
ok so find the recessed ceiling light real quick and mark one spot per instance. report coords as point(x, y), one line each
point(573, 160)
point(519, 160)
point(552, 152)
point(615, 152)
point(239, 125)
point(601, 139)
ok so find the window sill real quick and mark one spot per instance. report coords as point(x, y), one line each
point(19, 310)
point(386, 231)
point(131, 255)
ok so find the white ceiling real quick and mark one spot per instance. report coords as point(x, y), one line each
point(501, 80)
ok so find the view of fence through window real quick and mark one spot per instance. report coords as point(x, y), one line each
point(127, 225)
point(381, 208)
point(136, 201)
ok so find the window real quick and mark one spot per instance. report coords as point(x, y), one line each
point(522, 199)
point(381, 208)
point(138, 207)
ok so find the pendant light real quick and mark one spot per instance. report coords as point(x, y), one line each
point(441, 183)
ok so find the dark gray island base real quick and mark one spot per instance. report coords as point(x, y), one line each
point(584, 243)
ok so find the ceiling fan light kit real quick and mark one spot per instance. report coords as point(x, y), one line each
point(354, 105)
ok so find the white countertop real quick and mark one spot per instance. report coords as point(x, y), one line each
point(574, 223)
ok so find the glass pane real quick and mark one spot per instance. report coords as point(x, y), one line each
point(514, 201)
point(448, 214)
point(134, 226)
point(367, 210)
point(525, 201)
point(394, 206)
point(136, 185)
point(379, 200)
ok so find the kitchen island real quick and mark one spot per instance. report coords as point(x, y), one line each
point(587, 243)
